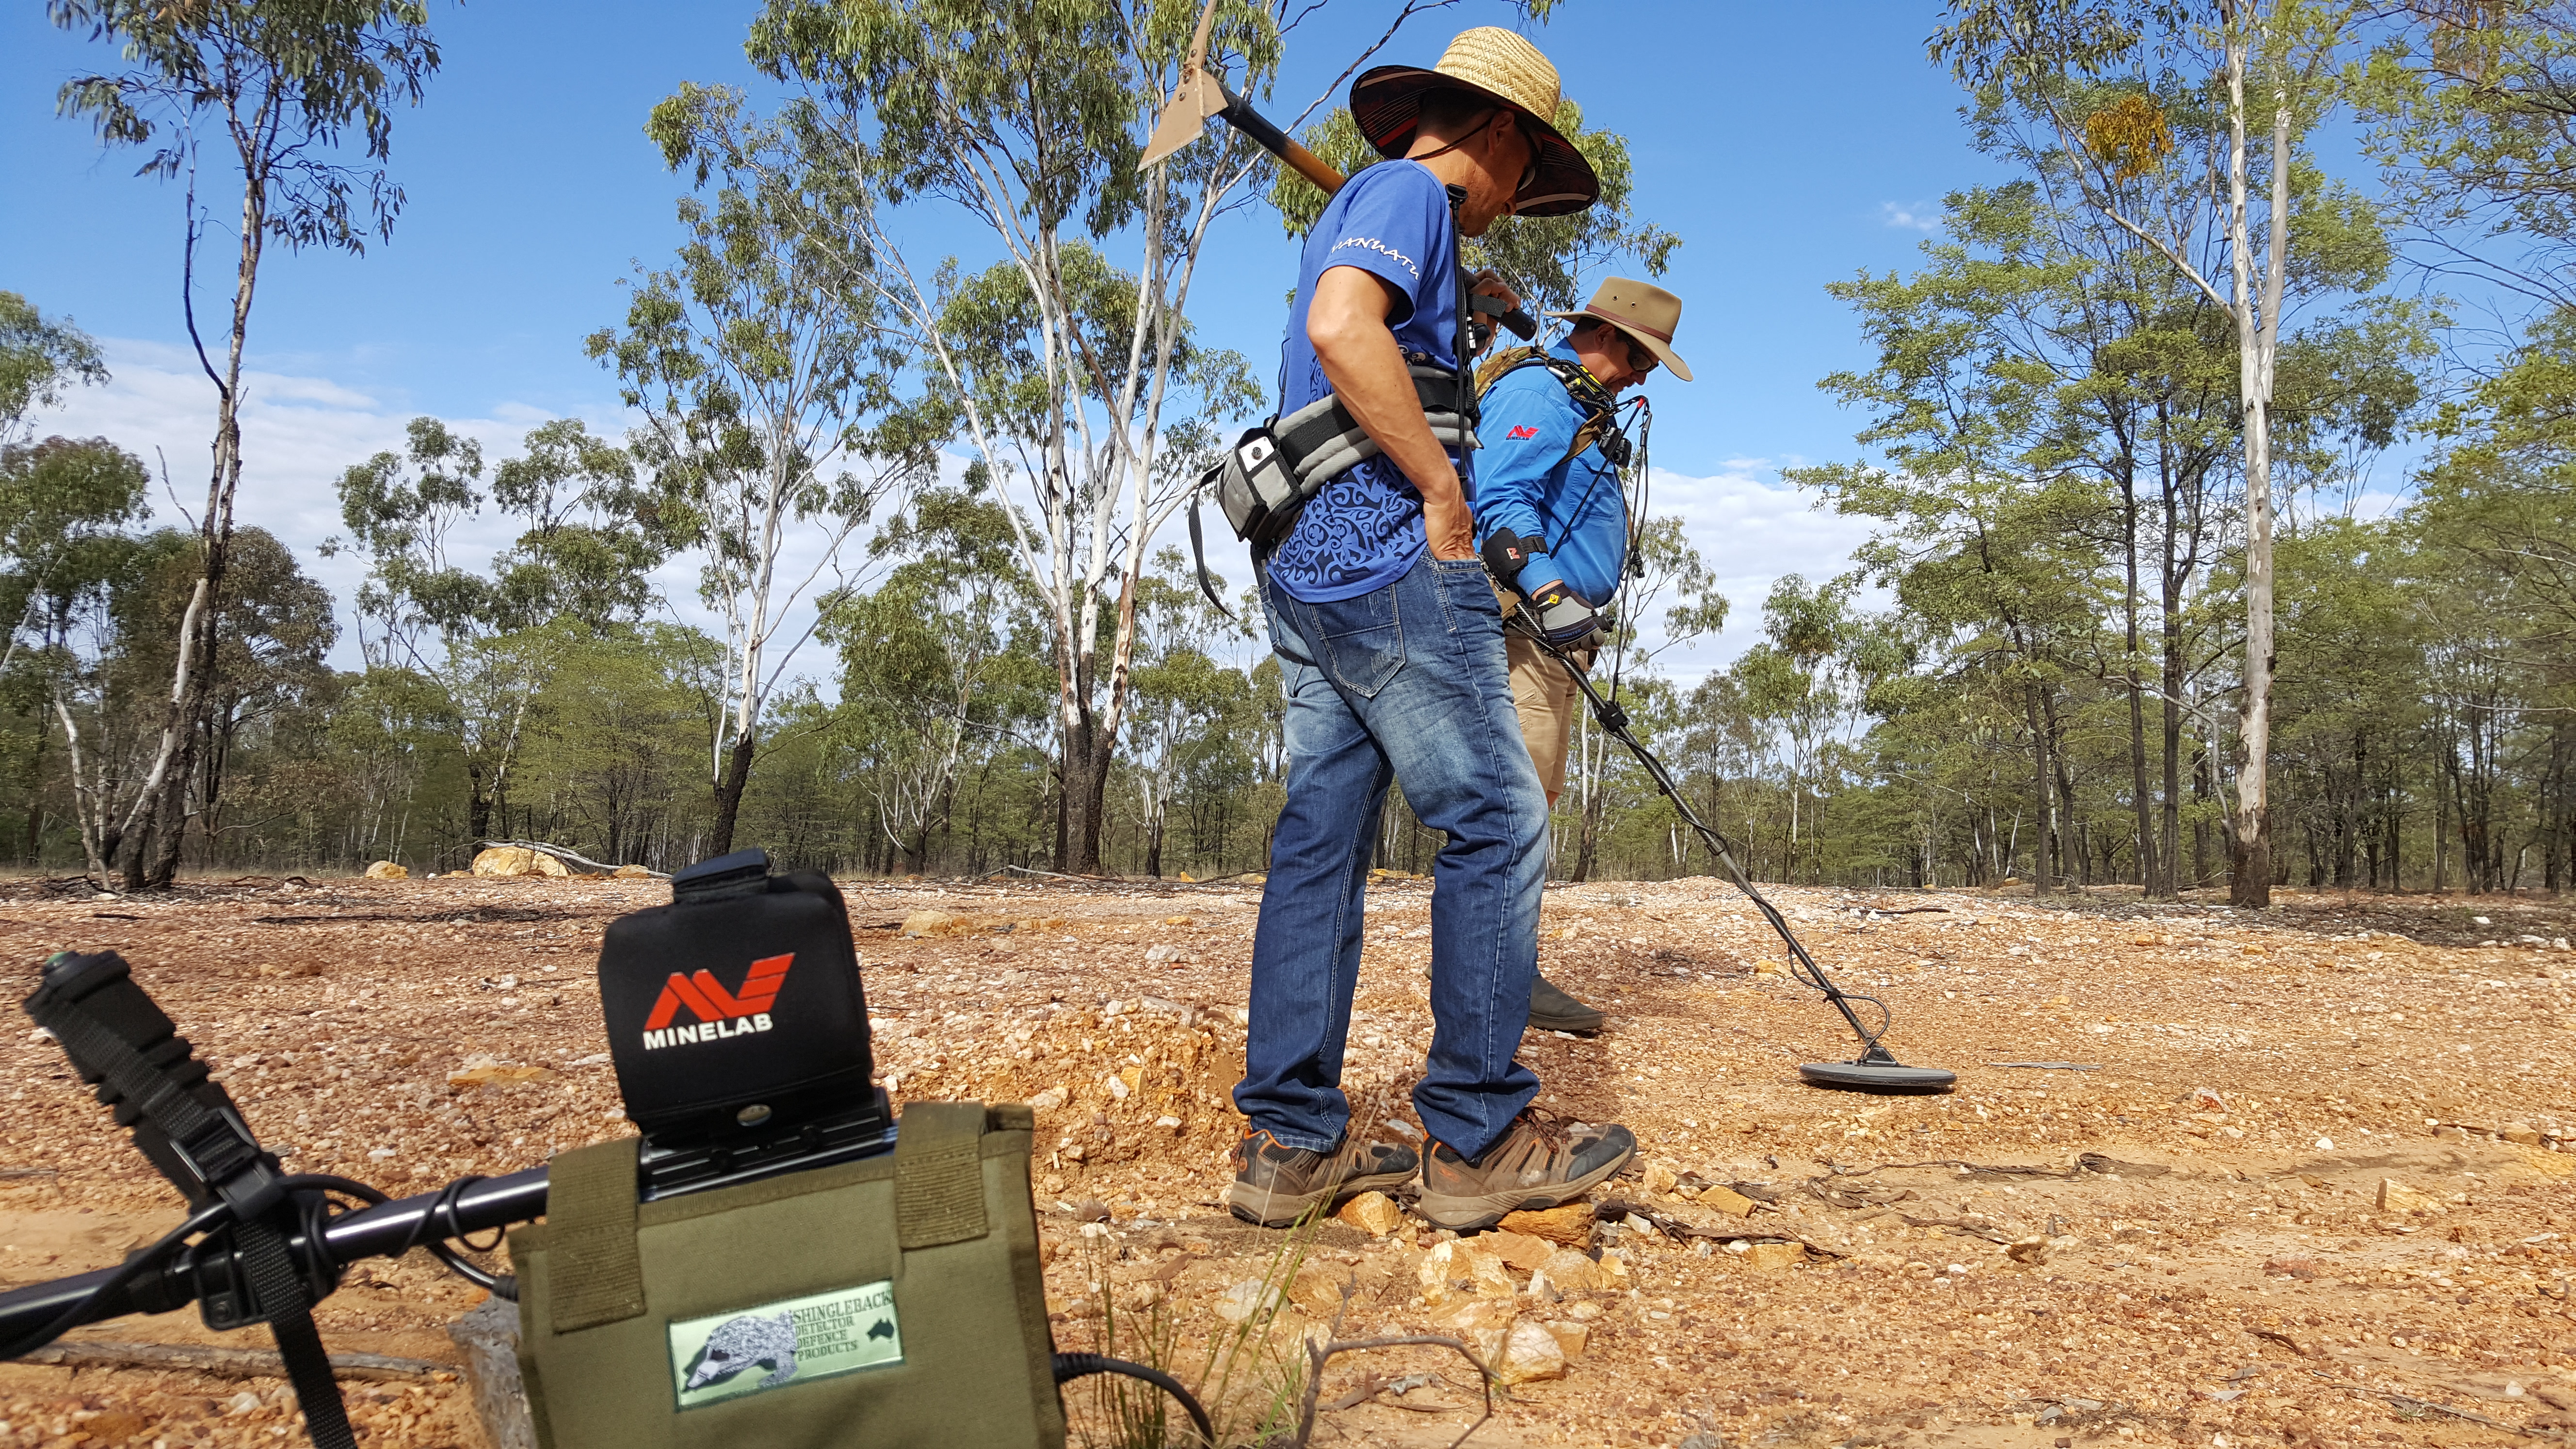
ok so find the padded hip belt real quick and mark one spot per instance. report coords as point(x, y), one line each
point(1272, 470)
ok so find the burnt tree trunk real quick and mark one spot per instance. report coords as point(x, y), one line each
point(1086, 784)
point(729, 794)
point(2043, 864)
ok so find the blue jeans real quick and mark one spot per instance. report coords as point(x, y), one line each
point(1407, 683)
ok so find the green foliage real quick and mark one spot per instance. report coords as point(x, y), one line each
point(2472, 115)
point(287, 79)
point(37, 358)
point(940, 664)
point(61, 502)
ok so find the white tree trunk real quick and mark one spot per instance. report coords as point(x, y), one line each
point(2258, 336)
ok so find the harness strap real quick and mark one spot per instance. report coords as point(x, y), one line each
point(287, 1302)
point(1198, 555)
point(1322, 438)
point(1601, 412)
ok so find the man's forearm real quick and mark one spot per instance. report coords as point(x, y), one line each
point(1369, 376)
point(1346, 324)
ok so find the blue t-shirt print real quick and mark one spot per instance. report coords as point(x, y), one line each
point(1364, 529)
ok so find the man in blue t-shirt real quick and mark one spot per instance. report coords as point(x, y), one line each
point(1390, 644)
point(1552, 518)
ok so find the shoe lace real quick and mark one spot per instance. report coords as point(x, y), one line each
point(1547, 1129)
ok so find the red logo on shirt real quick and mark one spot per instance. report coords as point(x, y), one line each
point(1522, 432)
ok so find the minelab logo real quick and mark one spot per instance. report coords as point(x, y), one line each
point(720, 1013)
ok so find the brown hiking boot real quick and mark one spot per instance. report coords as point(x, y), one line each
point(1534, 1165)
point(1275, 1185)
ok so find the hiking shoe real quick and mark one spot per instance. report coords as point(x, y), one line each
point(1534, 1165)
point(1275, 1185)
point(1552, 1010)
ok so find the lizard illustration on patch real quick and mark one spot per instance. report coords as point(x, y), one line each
point(753, 1348)
point(740, 1343)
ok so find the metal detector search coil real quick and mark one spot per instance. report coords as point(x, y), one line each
point(1874, 1070)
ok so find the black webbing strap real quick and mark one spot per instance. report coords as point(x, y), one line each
point(1466, 373)
point(218, 1151)
point(221, 1153)
point(1198, 555)
point(286, 1302)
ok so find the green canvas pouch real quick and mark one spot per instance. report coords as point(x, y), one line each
point(895, 1301)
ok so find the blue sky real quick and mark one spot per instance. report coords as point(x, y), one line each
point(1789, 145)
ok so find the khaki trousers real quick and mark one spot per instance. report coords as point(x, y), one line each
point(1545, 697)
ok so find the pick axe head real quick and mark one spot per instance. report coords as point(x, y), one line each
point(1199, 96)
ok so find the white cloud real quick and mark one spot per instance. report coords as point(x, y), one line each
point(1910, 216)
point(1751, 534)
point(299, 433)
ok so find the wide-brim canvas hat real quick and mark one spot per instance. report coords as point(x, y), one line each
point(1504, 67)
point(1648, 313)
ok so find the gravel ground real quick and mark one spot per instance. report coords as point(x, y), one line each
point(2204, 1239)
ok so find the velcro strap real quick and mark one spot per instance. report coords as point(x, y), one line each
point(596, 1271)
point(939, 1175)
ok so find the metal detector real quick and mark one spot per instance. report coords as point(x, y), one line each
point(1874, 1070)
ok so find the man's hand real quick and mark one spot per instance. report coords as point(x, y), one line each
point(1489, 283)
point(1448, 524)
point(1346, 322)
point(1562, 615)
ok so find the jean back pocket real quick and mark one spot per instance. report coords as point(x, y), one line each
point(1361, 640)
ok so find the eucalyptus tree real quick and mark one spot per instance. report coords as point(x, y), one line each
point(938, 666)
point(594, 531)
point(2140, 396)
point(39, 356)
point(275, 626)
point(1990, 537)
point(1666, 567)
point(770, 390)
point(1077, 382)
point(488, 640)
point(64, 507)
point(295, 100)
point(2471, 112)
point(56, 498)
point(2288, 54)
point(1182, 692)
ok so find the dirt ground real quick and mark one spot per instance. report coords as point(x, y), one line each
point(2203, 1239)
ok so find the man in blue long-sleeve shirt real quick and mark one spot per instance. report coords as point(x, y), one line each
point(1552, 519)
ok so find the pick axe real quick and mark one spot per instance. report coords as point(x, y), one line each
point(1201, 95)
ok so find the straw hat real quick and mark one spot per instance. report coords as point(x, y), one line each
point(1492, 62)
point(1644, 312)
